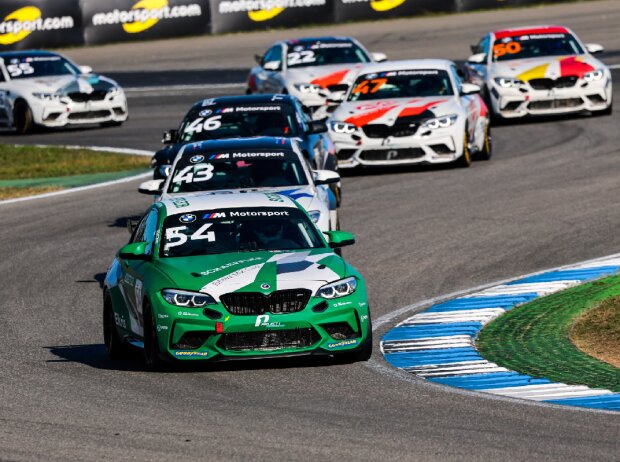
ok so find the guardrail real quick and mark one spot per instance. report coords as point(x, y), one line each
point(58, 23)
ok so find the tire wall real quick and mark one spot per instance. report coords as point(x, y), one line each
point(61, 23)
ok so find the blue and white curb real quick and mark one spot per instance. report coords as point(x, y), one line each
point(439, 343)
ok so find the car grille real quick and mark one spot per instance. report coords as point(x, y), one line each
point(345, 154)
point(548, 84)
point(252, 303)
point(396, 130)
point(268, 340)
point(338, 87)
point(89, 115)
point(392, 154)
point(97, 95)
point(555, 103)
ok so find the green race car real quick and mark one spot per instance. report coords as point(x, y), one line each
point(229, 276)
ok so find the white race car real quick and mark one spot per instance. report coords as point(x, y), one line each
point(310, 69)
point(541, 70)
point(44, 88)
point(410, 112)
point(242, 165)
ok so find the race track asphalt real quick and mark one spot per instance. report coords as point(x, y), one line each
point(549, 196)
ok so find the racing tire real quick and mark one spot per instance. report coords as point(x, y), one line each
point(363, 353)
point(22, 117)
point(464, 161)
point(152, 354)
point(114, 345)
point(487, 146)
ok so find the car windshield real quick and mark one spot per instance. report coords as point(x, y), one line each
point(209, 232)
point(23, 66)
point(239, 121)
point(401, 84)
point(235, 170)
point(325, 53)
point(534, 46)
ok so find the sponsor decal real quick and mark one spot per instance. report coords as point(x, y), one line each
point(228, 265)
point(190, 354)
point(218, 156)
point(212, 215)
point(364, 317)
point(342, 344)
point(187, 313)
point(263, 321)
point(336, 305)
point(205, 113)
point(160, 327)
point(385, 5)
point(270, 213)
point(187, 218)
point(120, 321)
point(197, 158)
point(145, 14)
point(180, 202)
point(265, 286)
point(264, 10)
point(19, 24)
point(162, 316)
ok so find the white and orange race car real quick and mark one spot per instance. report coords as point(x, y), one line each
point(310, 69)
point(410, 112)
point(540, 70)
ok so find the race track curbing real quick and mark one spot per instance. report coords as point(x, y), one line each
point(438, 344)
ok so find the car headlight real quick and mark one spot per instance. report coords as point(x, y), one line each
point(308, 87)
point(338, 289)
point(315, 215)
point(47, 96)
point(440, 122)
point(343, 127)
point(594, 75)
point(508, 82)
point(187, 299)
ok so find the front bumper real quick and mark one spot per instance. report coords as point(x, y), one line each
point(63, 112)
point(528, 101)
point(188, 334)
point(439, 146)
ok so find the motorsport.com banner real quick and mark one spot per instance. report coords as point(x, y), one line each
point(58, 23)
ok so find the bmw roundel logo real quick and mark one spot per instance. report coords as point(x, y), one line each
point(205, 113)
point(187, 218)
point(197, 158)
point(265, 286)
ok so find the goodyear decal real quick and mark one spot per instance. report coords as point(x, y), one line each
point(342, 344)
point(191, 354)
point(21, 23)
point(145, 14)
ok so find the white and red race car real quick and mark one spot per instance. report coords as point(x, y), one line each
point(310, 69)
point(410, 112)
point(539, 70)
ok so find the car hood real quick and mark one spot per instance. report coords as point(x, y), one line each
point(387, 111)
point(545, 67)
point(323, 76)
point(302, 194)
point(65, 84)
point(263, 271)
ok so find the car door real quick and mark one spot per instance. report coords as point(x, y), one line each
point(471, 103)
point(133, 271)
point(269, 79)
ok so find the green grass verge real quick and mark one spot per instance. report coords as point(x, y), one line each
point(28, 162)
point(534, 338)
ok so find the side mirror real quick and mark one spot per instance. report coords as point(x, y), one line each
point(258, 59)
point(134, 251)
point(378, 57)
point(272, 66)
point(164, 171)
point(152, 187)
point(86, 69)
point(325, 177)
point(317, 126)
point(474, 49)
point(470, 89)
point(594, 48)
point(169, 136)
point(339, 238)
point(478, 58)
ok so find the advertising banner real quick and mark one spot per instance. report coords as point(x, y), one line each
point(468, 5)
point(39, 23)
point(125, 20)
point(348, 10)
point(238, 15)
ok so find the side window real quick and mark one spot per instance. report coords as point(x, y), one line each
point(146, 230)
point(457, 79)
point(274, 54)
point(483, 46)
point(138, 233)
point(304, 119)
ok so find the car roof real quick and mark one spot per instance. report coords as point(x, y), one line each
point(545, 29)
point(309, 40)
point(243, 99)
point(19, 53)
point(241, 144)
point(408, 64)
point(191, 203)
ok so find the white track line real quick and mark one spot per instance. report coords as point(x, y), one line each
point(137, 152)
